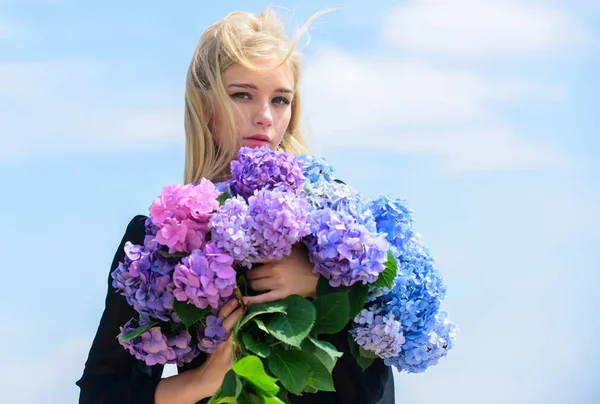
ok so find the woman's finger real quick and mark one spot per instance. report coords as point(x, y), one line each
point(260, 285)
point(228, 307)
point(230, 321)
point(264, 298)
point(264, 271)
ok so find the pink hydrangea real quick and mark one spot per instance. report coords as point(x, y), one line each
point(181, 214)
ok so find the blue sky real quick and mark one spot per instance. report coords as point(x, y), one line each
point(481, 113)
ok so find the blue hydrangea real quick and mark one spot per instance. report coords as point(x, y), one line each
point(424, 349)
point(343, 251)
point(315, 169)
point(341, 198)
point(394, 219)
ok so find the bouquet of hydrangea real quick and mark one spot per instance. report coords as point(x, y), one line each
point(377, 280)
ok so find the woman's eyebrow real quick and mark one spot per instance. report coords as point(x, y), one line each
point(253, 87)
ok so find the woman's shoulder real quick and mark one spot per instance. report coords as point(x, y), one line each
point(136, 229)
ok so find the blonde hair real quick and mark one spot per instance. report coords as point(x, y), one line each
point(238, 38)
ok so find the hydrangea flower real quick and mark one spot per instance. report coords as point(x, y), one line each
point(230, 231)
point(153, 347)
point(263, 168)
point(205, 277)
point(424, 349)
point(343, 251)
point(145, 288)
point(181, 215)
point(279, 220)
point(212, 335)
point(394, 219)
point(315, 169)
point(341, 198)
point(378, 333)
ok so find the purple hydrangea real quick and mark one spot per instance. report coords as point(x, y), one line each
point(230, 231)
point(205, 277)
point(279, 220)
point(145, 288)
point(315, 169)
point(212, 335)
point(153, 347)
point(263, 168)
point(378, 333)
point(344, 251)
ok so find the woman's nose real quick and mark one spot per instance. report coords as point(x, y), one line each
point(263, 115)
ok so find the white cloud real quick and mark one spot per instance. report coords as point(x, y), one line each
point(381, 103)
point(480, 27)
point(70, 105)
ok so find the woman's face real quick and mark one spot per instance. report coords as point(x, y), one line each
point(261, 103)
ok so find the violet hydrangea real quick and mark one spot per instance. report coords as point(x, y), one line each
point(343, 251)
point(212, 335)
point(230, 231)
point(153, 347)
point(378, 332)
point(279, 220)
point(144, 287)
point(263, 168)
point(205, 277)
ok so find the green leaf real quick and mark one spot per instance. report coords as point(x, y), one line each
point(333, 313)
point(292, 327)
point(251, 369)
point(278, 306)
point(320, 377)
point(248, 397)
point(357, 295)
point(188, 313)
point(290, 368)
point(252, 344)
point(232, 385)
point(324, 288)
point(364, 363)
point(271, 399)
point(166, 254)
point(223, 197)
point(386, 278)
point(367, 354)
point(136, 332)
point(261, 325)
point(324, 351)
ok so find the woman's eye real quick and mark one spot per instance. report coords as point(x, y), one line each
point(281, 101)
point(241, 96)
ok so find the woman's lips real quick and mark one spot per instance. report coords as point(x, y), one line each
point(257, 140)
point(254, 142)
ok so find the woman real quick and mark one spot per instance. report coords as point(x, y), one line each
point(241, 90)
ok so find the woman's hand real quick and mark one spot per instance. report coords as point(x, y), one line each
point(212, 372)
point(291, 275)
point(202, 382)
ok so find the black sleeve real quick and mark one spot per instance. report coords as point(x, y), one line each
point(111, 374)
